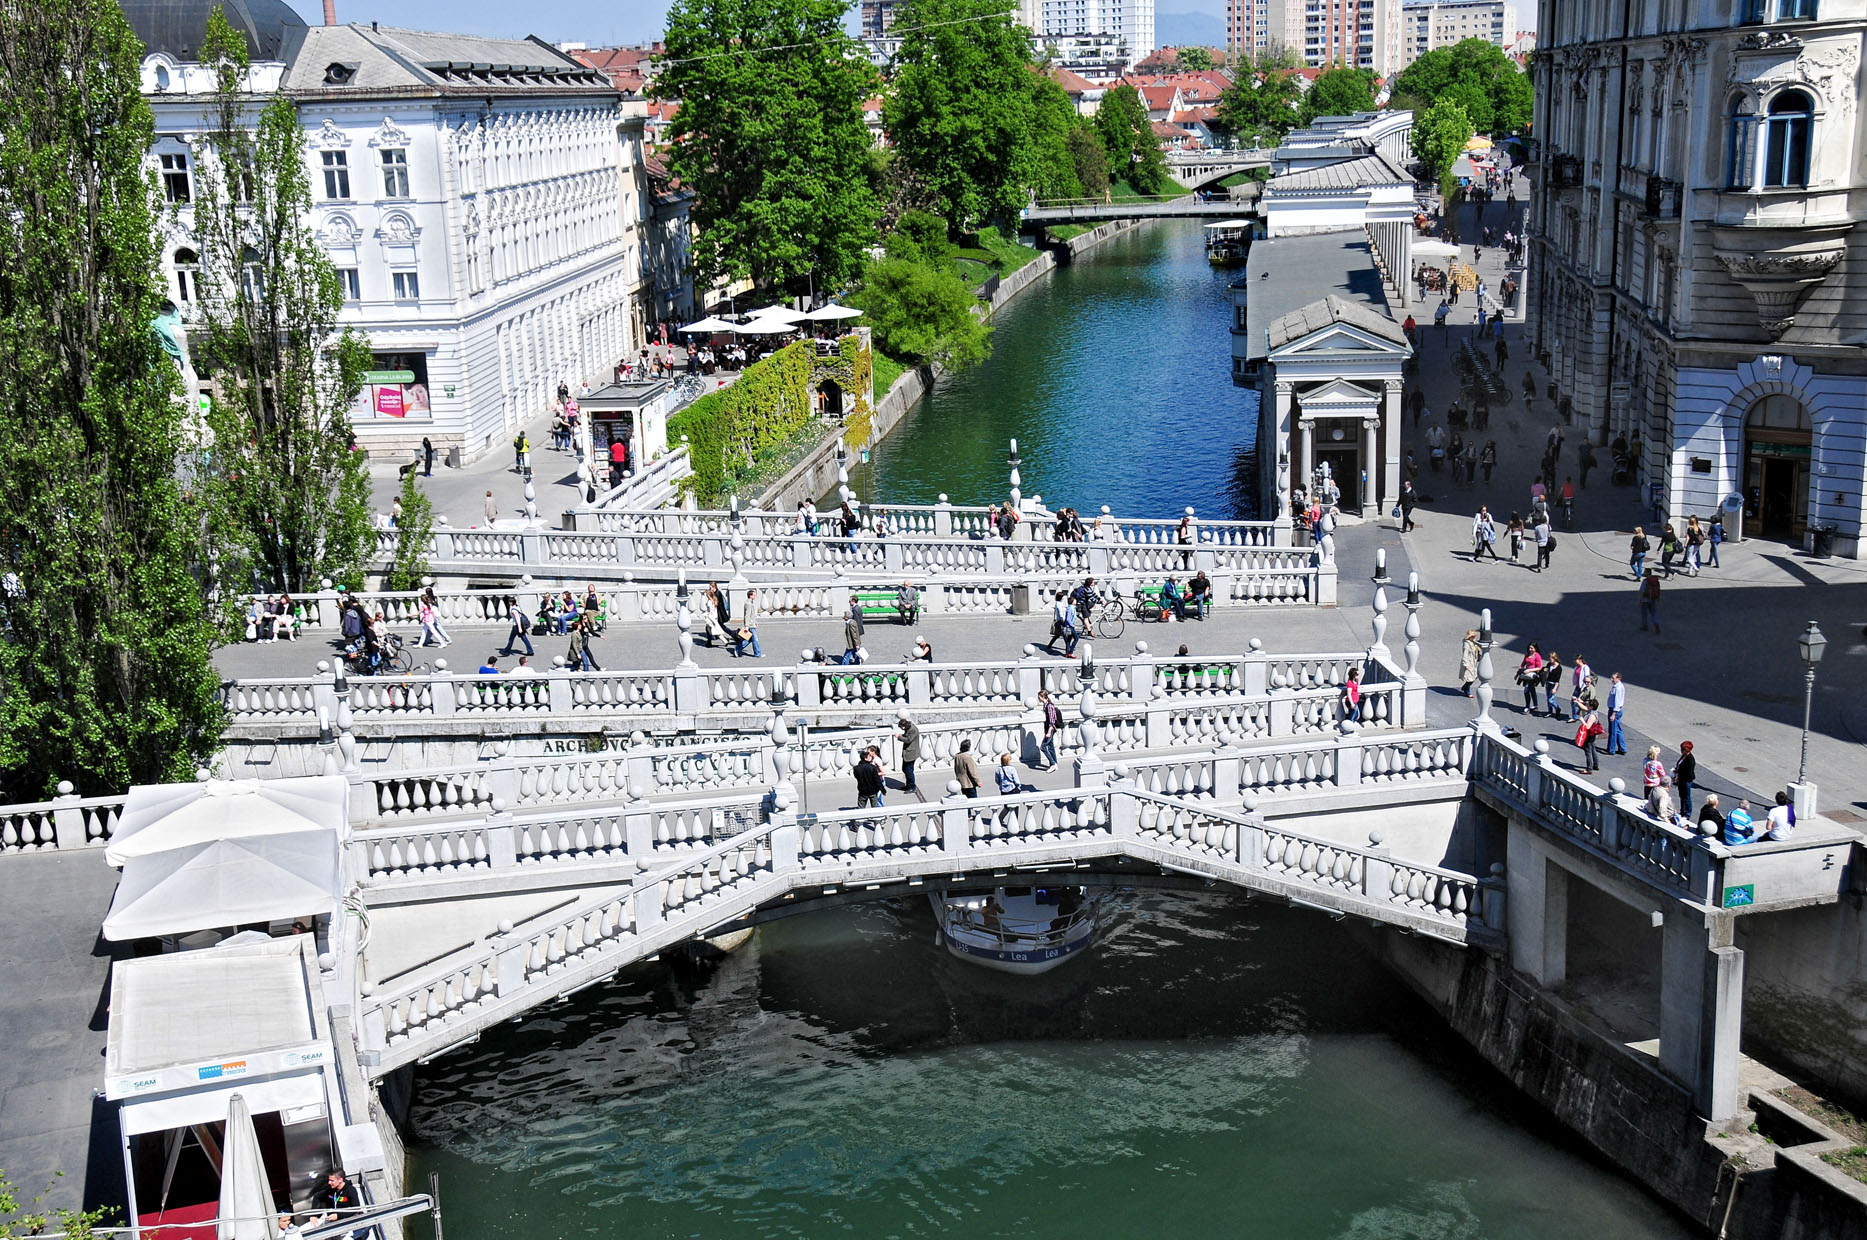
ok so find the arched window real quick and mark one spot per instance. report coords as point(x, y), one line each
point(1786, 144)
point(252, 275)
point(187, 276)
point(1741, 158)
point(1784, 415)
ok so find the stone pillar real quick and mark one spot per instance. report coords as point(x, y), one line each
point(1370, 471)
point(1701, 1008)
point(1392, 415)
point(1306, 463)
point(1282, 444)
point(1537, 909)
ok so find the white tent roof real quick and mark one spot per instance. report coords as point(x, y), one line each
point(784, 313)
point(1434, 249)
point(710, 324)
point(230, 882)
point(159, 817)
point(764, 326)
point(832, 312)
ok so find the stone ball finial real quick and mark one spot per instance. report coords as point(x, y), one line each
point(1251, 804)
point(326, 961)
point(202, 775)
point(440, 665)
point(525, 579)
point(324, 666)
point(65, 787)
point(952, 787)
point(1376, 837)
point(499, 804)
point(505, 925)
point(943, 498)
point(1542, 747)
point(1254, 645)
point(1279, 680)
point(637, 792)
point(1617, 786)
point(1030, 650)
point(1120, 770)
point(1140, 647)
point(638, 737)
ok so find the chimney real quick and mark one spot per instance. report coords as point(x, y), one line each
point(330, 12)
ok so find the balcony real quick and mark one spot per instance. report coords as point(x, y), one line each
point(1662, 199)
point(1779, 265)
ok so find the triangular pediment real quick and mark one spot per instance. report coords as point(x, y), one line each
point(1338, 392)
point(1339, 338)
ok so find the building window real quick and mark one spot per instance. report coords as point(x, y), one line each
point(1786, 146)
point(336, 175)
point(407, 286)
point(395, 173)
point(353, 288)
point(187, 276)
point(175, 184)
point(1778, 10)
point(1741, 162)
point(252, 277)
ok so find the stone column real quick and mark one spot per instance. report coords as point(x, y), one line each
point(1537, 910)
point(1392, 415)
point(1306, 466)
point(1701, 1008)
point(1370, 469)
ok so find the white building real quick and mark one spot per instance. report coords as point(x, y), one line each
point(482, 200)
point(1130, 22)
point(1696, 272)
point(1364, 34)
point(1433, 24)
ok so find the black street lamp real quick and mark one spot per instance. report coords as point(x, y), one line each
point(1810, 643)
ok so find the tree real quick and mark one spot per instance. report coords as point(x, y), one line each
point(920, 312)
point(1091, 160)
point(413, 529)
point(1260, 106)
point(1128, 137)
point(294, 503)
point(1438, 137)
point(1049, 169)
point(29, 1218)
point(105, 671)
point(963, 109)
point(770, 137)
point(1340, 91)
point(1193, 59)
point(1489, 85)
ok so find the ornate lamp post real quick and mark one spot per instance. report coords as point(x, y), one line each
point(1484, 666)
point(1810, 644)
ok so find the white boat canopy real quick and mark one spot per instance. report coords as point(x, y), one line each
point(1228, 224)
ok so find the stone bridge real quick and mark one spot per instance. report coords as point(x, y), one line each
point(1198, 169)
point(1091, 212)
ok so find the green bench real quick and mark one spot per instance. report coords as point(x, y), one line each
point(874, 604)
point(892, 680)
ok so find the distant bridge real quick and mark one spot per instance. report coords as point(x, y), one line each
point(1087, 211)
point(1198, 169)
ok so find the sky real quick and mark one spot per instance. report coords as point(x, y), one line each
point(602, 22)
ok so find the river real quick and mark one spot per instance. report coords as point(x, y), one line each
point(1215, 1066)
point(1114, 376)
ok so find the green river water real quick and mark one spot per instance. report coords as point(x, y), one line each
point(1213, 1068)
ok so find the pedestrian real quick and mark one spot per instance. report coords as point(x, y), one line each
point(852, 635)
point(1515, 530)
point(1587, 453)
point(1006, 775)
point(521, 627)
point(1053, 722)
point(1637, 553)
point(1581, 685)
point(1487, 460)
point(1484, 535)
point(1650, 601)
point(713, 616)
point(1530, 676)
point(909, 735)
point(518, 453)
point(1588, 730)
point(587, 627)
point(1552, 684)
point(869, 780)
point(492, 508)
point(1738, 826)
point(430, 624)
point(573, 658)
point(1669, 547)
point(1713, 537)
point(1660, 801)
point(1652, 771)
point(1617, 710)
point(748, 627)
point(1685, 774)
point(965, 770)
point(1545, 540)
point(1782, 819)
point(1407, 501)
point(1694, 551)
point(1065, 623)
point(1006, 520)
point(1470, 652)
point(1710, 822)
point(1351, 696)
point(395, 512)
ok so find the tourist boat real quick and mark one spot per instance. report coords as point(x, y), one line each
point(1228, 243)
point(1024, 930)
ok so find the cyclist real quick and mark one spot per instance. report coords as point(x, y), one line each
point(1086, 598)
point(1568, 502)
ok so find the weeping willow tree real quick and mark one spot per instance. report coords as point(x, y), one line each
point(293, 495)
point(107, 631)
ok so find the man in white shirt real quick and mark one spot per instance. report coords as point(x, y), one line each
point(1617, 708)
point(525, 667)
point(1782, 820)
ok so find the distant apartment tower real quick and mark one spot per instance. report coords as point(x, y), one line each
point(1441, 23)
point(1365, 34)
point(1132, 21)
point(878, 17)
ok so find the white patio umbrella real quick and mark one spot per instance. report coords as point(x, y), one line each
point(783, 313)
point(711, 324)
point(246, 1208)
point(832, 312)
point(226, 883)
point(1434, 249)
point(763, 327)
point(161, 817)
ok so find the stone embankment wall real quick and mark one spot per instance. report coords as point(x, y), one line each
point(1748, 1182)
point(1805, 1003)
point(815, 475)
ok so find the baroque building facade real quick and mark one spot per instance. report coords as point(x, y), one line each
point(1697, 283)
point(484, 201)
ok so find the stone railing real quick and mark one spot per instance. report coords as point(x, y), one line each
point(1260, 571)
point(1809, 867)
point(66, 821)
point(643, 489)
point(1259, 680)
point(447, 1002)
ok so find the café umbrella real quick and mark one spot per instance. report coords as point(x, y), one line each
point(832, 312)
point(711, 324)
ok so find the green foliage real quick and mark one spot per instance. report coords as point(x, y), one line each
point(857, 377)
point(1260, 106)
point(921, 313)
point(1051, 169)
point(1128, 137)
point(887, 371)
point(771, 139)
point(105, 662)
point(1439, 135)
point(1193, 59)
point(1005, 253)
point(1340, 91)
point(920, 236)
point(293, 498)
point(1091, 160)
point(413, 531)
point(28, 1218)
point(727, 429)
point(963, 110)
point(1477, 75)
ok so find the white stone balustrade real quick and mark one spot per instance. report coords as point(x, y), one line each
point(66, 821)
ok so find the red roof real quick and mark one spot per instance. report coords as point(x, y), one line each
point(1158, 98)
point(1074, 83)
point(1191, 116)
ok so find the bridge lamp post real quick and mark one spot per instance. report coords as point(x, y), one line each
point(1484, 667)
point(1810, 644)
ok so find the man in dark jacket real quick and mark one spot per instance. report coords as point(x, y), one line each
point(910, 737)
point(869, 779)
